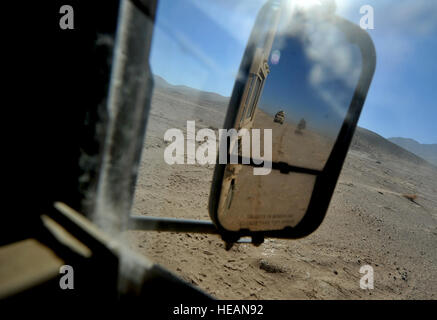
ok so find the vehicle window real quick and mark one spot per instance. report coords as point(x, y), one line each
point(194, 74)
point(383, 212)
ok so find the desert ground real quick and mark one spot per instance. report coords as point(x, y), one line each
point(314, 148)
point(370, 220)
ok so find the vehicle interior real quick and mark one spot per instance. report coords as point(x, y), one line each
point(101, 187)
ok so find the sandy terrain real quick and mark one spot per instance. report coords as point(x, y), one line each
point(368, 222)
point(314, 149)
point(284, 197)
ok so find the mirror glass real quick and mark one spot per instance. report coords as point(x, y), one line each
point(300, 85)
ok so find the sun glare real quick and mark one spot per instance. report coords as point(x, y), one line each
point(306, 3)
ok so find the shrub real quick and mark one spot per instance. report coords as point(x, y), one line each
point(411, 197)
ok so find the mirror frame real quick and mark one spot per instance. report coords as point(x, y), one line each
point(326, 180)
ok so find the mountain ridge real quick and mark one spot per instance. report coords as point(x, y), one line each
point(364, 140)
point(425, 151)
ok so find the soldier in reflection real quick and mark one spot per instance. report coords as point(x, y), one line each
point(301, 126)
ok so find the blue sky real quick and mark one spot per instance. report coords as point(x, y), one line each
point(292, 84)
point(199, 43)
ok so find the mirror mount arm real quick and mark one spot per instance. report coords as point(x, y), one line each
point(230, 239)
point(189, 226)
point(171, 225)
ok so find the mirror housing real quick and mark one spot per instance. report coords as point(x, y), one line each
point(309, 187)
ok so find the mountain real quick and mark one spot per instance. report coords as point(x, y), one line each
point(425, 151)
point(372, 143)
point(364, 140)
point(208, 99)
point(160, 82)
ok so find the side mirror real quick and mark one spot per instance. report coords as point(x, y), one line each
point(301, 87)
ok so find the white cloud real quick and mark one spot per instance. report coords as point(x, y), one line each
point(331, 55)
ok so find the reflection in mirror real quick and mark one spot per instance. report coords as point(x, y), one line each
point(313, 73)
point(301, 83)
point(265, 202)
